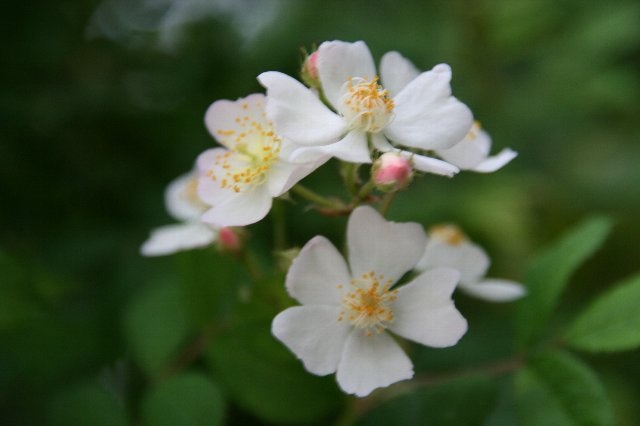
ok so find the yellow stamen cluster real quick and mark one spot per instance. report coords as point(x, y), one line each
point(253, 148)
point(449, 234)
point(366, 105)
point(367, 303)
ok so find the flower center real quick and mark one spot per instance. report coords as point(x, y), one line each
point(253, 151)
point(449, 234)
point(366, 105)
point(367, 303)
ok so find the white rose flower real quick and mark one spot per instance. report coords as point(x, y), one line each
point(470, 152)
point(182, 202)
point(447, 246)
point(240, 180)
point(422, 115)
point(347, 309)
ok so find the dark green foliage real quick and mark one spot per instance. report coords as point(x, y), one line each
point(463, 402)
point(549, 273)
point(558, 389)
point(612, 322)
point(93, 128)
point(189, 399)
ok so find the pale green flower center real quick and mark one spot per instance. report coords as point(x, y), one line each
point(254, 149)
point(367, 303)
point(366, 105)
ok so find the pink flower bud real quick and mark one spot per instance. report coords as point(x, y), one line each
point(392, 172)
point(310, 70)
point(229, 240)
point(311, 65)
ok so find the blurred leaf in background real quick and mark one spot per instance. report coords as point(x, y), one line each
point(102, 104)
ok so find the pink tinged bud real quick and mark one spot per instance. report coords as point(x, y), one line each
point(312, 65)
point(392, 172)
point(310, 70)
point(229, 240)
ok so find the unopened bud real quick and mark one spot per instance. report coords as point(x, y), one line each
point(230, 240)
point(392, 172)
point(310, 70)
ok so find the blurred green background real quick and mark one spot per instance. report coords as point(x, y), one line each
point(102, 104)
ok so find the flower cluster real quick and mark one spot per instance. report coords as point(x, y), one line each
point(402, 122)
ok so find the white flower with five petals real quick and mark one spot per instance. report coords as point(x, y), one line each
point(423, 115)
point(240, 180)
point(447, 246)
point(182, 202)
point(472, 151)
point(347, 310)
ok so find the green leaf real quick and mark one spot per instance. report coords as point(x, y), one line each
point(155, 326)
point(612, 322)
point(190, 399)
point(550, 271)
point(263, 377)
point(463, 402)
point(558, 389)
point(88, 404)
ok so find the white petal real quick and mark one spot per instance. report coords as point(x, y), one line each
point(241, 209)
point(352, 148)
point(283, 175)
point(426, 115)
point(496, 162)
point(381, 143)
point(340, 60)
point(387, 248)
point(396, 72)
point(172, 238)
point(467, 257)
point(206, 159)
point(313, 334)
point(181, 198)
point(424, 312)
point(315, 274)
point(371, 362)
point(209, 190)
point(306, 154)
point(495, 290)
point(226, 119)
point(212, 193)
point(470, 151)
point(431, 165)
point(297, 113)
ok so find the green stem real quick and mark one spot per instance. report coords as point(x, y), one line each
point(350, 177)
point(314, 197)
point(386, 202)
point(364, 192)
